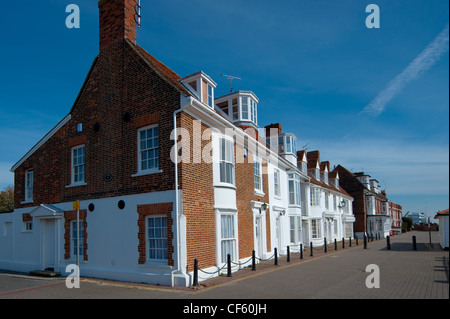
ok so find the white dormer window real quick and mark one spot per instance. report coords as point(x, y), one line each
point(201, 86)
point(287, 143)
point(239, 107)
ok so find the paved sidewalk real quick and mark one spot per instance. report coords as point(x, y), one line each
point(404, 274)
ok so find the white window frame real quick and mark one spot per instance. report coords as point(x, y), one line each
point(29, 180)
point(154, 169)
point(316, 228)
point(226, 160)
point(276, 183)
point(210, 94)
point(225, 236)
point(315, 196)
point(162, 238)
point(295, 236)
point(294, 189)
point(27, 227)
point(257, 175)
point(74, 166)
point(73, 238)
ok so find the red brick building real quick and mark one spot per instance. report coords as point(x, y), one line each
point(370, 205)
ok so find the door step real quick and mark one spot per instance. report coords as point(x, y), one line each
point(45, 273)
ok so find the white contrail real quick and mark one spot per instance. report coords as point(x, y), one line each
point(417, 67)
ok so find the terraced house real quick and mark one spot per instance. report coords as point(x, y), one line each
point(165, 173)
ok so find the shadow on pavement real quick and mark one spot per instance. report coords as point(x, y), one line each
point(443, 267)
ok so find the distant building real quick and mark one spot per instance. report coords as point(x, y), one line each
point(396, 213)
point(418, 218)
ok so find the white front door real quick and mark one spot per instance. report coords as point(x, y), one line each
point(258, 237)
point(48, 243)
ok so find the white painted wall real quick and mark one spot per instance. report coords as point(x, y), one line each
point(111, 239)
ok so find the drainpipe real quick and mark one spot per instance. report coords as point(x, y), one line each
point(177, 214)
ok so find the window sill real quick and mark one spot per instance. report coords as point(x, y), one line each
point(27, 201)
point(148, 172)
point(162, 264)
point(225, 185)
point(76, 184)
point(259, 193)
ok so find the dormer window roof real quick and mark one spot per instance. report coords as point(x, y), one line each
point(201, 86)
point(239, 107)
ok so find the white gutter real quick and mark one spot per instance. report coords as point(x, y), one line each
point(177, 211)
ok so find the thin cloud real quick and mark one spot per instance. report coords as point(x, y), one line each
point(415, 69)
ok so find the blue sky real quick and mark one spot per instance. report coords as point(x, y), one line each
point(314, 65)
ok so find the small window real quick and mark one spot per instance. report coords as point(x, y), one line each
point(257, 173)
point(235, 109)
point(27, 226)
point(157, 238)
point(228, 238)
point(29, 175)
point(210, 96)
point(315, 196)
point(316, 228)
point(295, 229)
point(148, 146)
point(78, 164)
point(276, 182)
point(245, 108)
point(77, 233)
point(294, 189)
point(226, 161)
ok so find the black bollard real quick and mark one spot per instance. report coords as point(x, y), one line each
point(335, 244)
point(324, 245)
point(253, 260)
point(310, 249)
point(365, 241)
point(288, 259)
point(349, 242)
point(414, 242)
point(301, 251)
point(388, 242)
point(356, 239)
point(195, 284)
point(229, 265)
point(343, 242)
point(276, 256)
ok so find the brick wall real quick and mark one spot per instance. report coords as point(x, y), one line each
point(352, 186)
point(245, 193)
point(196, 181)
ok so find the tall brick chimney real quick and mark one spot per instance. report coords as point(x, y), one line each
point(117, 21)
